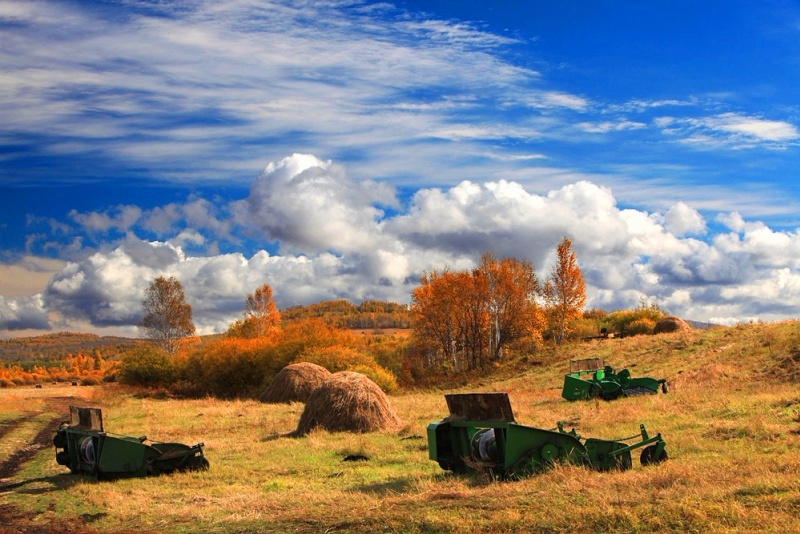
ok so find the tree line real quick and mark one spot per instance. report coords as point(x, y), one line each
point(461, 321)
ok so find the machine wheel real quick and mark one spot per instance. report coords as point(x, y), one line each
point(611, 393)
point(664, 387)
point(60, 440)
point(198, 463)
point(549, 453)
point(62, 458)
point(648, 456)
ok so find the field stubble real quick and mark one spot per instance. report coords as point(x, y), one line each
point(731, 424)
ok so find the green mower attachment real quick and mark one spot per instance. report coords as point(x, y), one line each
point(591, 378)
point(481, 436)
point(83, 446)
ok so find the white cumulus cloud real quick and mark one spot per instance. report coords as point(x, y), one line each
point(334, 241)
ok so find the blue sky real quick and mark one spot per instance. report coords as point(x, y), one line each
point(340, 149)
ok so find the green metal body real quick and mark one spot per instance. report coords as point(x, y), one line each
point(83, 446)
point(588, 379)
point(468, 442)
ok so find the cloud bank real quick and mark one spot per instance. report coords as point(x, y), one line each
point(335, 241)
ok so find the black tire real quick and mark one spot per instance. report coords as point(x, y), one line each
point(200, 464)
point(648, 456)
point(62, 458)
point(60, 440)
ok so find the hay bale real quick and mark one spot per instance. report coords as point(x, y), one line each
point(295, 383)
point(347, 402)
point(671, 324)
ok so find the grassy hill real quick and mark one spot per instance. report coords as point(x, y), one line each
point(369, 315)
point(731, 422)
point(56, 346)
point(344, 314)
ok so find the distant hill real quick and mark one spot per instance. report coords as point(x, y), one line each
point(55, 347)
point(345, 314)
point(701, 325)
point(342, 313)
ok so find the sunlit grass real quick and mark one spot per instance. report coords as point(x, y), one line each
point(731, 422)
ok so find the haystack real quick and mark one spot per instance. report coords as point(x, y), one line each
point(347, 402)
point(295, 383)
point(671, 324)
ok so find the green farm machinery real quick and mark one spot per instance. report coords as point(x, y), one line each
point(83, 446)
point(481, 436)
point(591, 378)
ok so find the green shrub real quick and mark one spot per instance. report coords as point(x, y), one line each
point(383, 378)
point(336, 358)
point(583, 328)
point(230, 368)
point(640, 326)
point(146, 366)
point(626, 321)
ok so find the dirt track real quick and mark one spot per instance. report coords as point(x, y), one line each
point(9, 426)
point(15, 520)
point(42, 440)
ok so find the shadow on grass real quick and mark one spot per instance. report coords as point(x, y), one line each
point(57, 482)
point(397, 485)
point(409, 484)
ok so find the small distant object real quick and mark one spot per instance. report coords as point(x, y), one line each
point(38, 386)
point(591, 377)
point(356, 458)
point(74, 383)
point(605, 334)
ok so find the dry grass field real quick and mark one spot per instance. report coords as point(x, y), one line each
point(731, 422)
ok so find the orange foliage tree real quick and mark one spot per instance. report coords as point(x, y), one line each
point(435, 320)
point(88, 370)
point(464, 319)
point(565, 290)
point(513, 311)
point(236, 367)
point(261, 316)
point(229, 367)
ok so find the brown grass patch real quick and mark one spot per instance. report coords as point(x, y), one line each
point(348, 402)
point(295, 383)
point(788, 366)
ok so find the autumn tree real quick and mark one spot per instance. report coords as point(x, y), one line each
point(261, 315)
point(433, 318)
point(565, 290)
point(168, 317)
point(474, 318)
point(464, 319)
point(511, 301)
